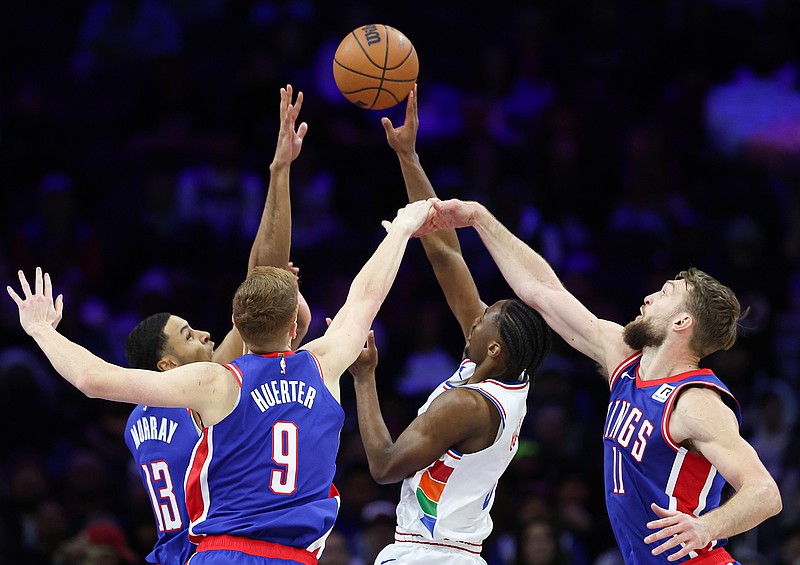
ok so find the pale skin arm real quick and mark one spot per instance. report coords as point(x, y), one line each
point(441, 247)
point(342, 342)
point(453, 417)
point(273, 239)
point(533, 280)
point(207, 388)
point(701, 419)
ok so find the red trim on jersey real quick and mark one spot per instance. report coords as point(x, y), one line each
point(334, 492)
point(194, 494)
point(717, 556)
point(237, 372)
point(316, 362)
point(692, 477)
point(276, 354)
point(672, 378)
point(257, 548)
point(621, 367)
point(438, 543)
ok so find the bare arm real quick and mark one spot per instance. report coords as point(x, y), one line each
point(535, 283)
point(273, 239)
point(207, 388)
point(703, 420)
point(441, 247)
point(342, 342)
point(453, 417)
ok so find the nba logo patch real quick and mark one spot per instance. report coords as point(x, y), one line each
point(663, 393)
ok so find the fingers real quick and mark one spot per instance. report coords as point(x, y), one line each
point(328, 321)
point(387, 225)
point(38, 281)
point(14, 296)
point(371, 339)
point(301, 130)
point(59, 304)
point(387, 125)
point(26, 288)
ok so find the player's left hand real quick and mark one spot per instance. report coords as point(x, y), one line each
point(38, 307)
point(682, 530)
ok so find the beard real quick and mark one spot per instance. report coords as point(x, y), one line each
point(639, 334)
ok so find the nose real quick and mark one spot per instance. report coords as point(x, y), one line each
point(648, 299)
point(205, 337)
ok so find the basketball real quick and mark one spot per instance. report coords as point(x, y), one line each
point(375, 67)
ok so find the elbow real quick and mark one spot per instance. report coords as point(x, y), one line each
point(773, 498)
point(90, 383)
point(94, 381)
point(386, 472)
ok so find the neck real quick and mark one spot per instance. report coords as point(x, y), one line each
point(270, 346)
point(659, 363)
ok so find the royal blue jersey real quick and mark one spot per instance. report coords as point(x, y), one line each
point(161, 441)
point(265, 472)
point(644, 465)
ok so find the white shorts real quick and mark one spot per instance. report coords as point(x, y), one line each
point(412, 553)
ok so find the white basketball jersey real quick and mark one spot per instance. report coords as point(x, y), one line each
point(450, 500)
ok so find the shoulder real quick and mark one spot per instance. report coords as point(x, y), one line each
point(700, 414)
point(462, 401)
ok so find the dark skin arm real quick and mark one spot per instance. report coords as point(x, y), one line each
point(441, 247)
point(460, 418)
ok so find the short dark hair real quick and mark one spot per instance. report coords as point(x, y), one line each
point(527, 339)
point(147, 342)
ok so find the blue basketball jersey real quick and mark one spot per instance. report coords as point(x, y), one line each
point(644, 465)
point(265, 472)
point(161, 441)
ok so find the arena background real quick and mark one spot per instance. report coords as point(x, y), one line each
point(624, 140)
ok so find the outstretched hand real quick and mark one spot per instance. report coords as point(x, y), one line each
point(403, 138)
point(37, 307)
point(290, 140)
point(412, 217)
point(682, 530)
point(366, 362)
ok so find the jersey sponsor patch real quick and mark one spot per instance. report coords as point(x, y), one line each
point(663, 393)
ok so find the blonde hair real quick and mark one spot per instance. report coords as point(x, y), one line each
point(265, 304)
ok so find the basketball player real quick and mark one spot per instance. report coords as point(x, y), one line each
point(161, 440)
point(452, 455)
point(671, 436)
point(259, 484)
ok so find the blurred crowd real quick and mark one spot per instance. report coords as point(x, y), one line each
point(626, 141)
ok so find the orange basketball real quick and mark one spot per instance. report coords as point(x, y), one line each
point(375, 66)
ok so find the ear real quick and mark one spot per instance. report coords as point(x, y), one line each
point(293, 330)
point(494, 350)
point(166, 363)
point(682, 322)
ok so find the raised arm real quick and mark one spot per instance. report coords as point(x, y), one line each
point(273, 240)
point(188, 386)
point(342, 342)
point(450, 419)
point(536, 284)
point(441, 247)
